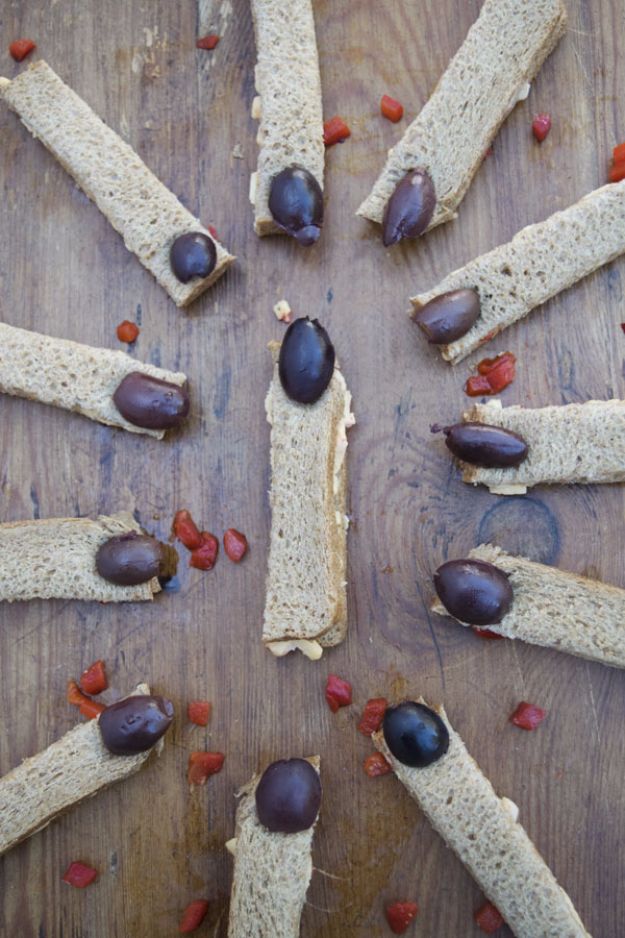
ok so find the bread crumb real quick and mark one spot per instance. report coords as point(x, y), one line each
point(256, 108)
point(253, 184)
point(283, 311)
point(237, 151)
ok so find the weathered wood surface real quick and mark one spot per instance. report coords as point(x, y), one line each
point(64, 270)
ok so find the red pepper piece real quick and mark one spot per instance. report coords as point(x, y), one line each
point(91, 709)
point(213, 231)
point(235, 545)
point(193, 916)
point(338, 692)
point(335, 131)
point(400, 915)
point(202, 765)
point(376, 765)
point(477, 385)
point(486, 633)
point(372, 715)
point(617, 171)
point(495, 374)
point(391, 108)
point(528, 716)
point(20, 48)
point(74, 694)
point(88, 707)
point(488, 918)
point(204, 556)
point(79, 875)
point(127, 331)
point(207, 42)
point(199, 712)
point(618, 153)
point(186, 530)
point(94, 679)
point(541, 125)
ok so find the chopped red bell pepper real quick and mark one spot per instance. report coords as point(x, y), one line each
point(400, 915)
point(205, 556)
point(488, 918)
point(618, 153)
point(338, 692)
point(202, 765)
point(127, 331)
point(186, 530)
point(541, 125)
point(528, 716)
point(617, 171)
point(199, 712)
point(391, 109)
point(89, 708)
point(235, 545)
point(372, 715)
point(486, 633)
point(193, 916)
point(79, 875)
point(494, 375)
point(20, 48)
point(213, 231)
point(335, 130)
point(376, 765)
point(94, 680)
point(207, 42)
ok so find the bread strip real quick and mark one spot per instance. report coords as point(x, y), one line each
point(461, 805)
point(271, 874)
point(557, 609)
point(55, 559)
point(75, 767)
point(306, 600)
point(503, 51)
point(70, 375)
point(289, 87)
point(580, 443)
point(146, 214)
point(539, 262)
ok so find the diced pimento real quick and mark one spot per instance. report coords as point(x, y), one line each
point(20, 48)
point(207, 42)
point(494, 374)
point(186, 530)
point(335, 130)
point(235, 545)
point(618, 153)
point(488, 918)
point(213, 232)
point(541, 125)
point(199, 712)
point(94, 680)
point(391, 109)
point(89, 708)
point(205, 556)
point(193, 916)
point(376, 765)
point(399, 915)
point(338, 692)
point(202, 765)
point(80, 875)
point(617, 172)
point(127, 331)
point(372, 715)
point(528, 716)
point(486, 633)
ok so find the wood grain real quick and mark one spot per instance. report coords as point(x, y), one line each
point(64, 270)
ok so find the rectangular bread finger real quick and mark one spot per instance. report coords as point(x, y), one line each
point(70, 375)
point(539, 262)
point(581, 443)
point(461, 805)
point(147, 215)
point(289, 99)
point(75, 767)
point(557, 609)
point(272, 872)
point(54, 558)
point(490, 73)
point(305, 606)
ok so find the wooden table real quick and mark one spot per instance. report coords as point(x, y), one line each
point(63, 270)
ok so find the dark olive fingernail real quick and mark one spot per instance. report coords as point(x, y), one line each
point(135, 724)
point(133, 558)
point(296, 203)
point(473, 591)
point(449, 316)
point(192, 255)
point(151, 403)
point(306, 361)
point(483, 445)
point(410, 208)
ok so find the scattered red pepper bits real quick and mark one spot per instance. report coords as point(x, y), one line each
point(400, 915)
point(528, 716)
point(494, 374)
point(391, 109)
point(376, 765)
point(207, 42)
point(205, 556)
point(617, 170)
point(193, 916)
point(202, 765)
point(89, 708)
point(235, 545)
point(186, 530)
point(372, 715)
point(127, 331)
point(199, 712)
point(94, 679)
point(20, 48)
point(488, 918)
point(541, 125)
point(335, 130)
point(486, 633)
point(338, 692)
point(213, 232)
point(79, 875)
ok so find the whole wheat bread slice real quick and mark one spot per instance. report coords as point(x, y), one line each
point(70, 375)
point(461, 805)
point(582, 443)
point(503, 51)
point(147, 215)
point(539, 262)
point(289, 88)
point(75, 767)
point(306, 579)
point(557, 609)
point(55, 559)
point(271, 874)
